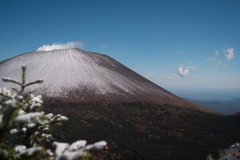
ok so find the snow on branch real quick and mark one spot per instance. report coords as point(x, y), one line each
point(24, 120)
point(11, 80)
point(77, 145)
point(23, 85)
point(21, 116)
point(77, 150)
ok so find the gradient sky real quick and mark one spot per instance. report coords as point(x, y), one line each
point(178, 45)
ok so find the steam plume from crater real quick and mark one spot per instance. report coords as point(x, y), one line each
point(57, 46)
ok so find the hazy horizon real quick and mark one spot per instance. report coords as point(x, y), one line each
point(206, 94)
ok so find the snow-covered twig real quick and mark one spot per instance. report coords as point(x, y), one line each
point(11, 80)
point(21, 115)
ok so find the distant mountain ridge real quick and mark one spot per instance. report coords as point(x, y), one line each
point(223, 107)
point(234, 101)
point(82, 75)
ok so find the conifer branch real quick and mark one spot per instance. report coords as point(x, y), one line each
point(35, 82)
point(23, 85)
point(21, 116)
point(11, 80)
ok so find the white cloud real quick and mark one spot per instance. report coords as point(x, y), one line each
point(183, 71)
point(56, 46)
point(165, 78)
point(218, 61)
point(211, 59)
point(214, 58)
point(229, 53)
point(194, 68)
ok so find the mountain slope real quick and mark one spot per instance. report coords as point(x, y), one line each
point(144, 130)
point(82, 75)
point(105, 100)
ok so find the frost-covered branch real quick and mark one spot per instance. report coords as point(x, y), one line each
point(21, 117)
point(77, 150)
point(11, 80)
point(35, 82)
point(23, 85)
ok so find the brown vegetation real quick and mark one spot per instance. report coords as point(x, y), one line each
point(144, 129)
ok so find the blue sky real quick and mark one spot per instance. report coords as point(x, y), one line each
point(180, 45)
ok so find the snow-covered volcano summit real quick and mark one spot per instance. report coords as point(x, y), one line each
point(79, 74)
point(75, 73)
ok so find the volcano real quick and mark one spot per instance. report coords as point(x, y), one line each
point(106, 100)
point(82, 75)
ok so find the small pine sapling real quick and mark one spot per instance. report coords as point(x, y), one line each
point(24, 127)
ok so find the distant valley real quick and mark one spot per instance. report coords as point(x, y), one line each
point(223, 107)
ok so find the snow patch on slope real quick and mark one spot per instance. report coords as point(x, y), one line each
point(77, 73)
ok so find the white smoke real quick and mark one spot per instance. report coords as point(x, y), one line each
point(229, 53)
point(56, 46)
point(183, 71)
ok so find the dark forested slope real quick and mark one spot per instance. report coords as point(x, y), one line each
point(144, 130)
